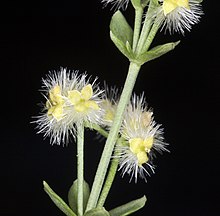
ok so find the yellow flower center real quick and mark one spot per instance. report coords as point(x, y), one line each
point(140, 147)
point(170, 5)
point(55, 103)
point(82, 100)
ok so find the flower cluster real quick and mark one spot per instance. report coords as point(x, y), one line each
point(173, 15)
point(140, 136)
point(70, 99)
point(73, 99)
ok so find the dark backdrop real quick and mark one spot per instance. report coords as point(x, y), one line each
point(182, 87)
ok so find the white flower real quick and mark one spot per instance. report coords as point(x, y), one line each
point(142, 139)
point(117, 4)
point(70, 99)
point(179, 15)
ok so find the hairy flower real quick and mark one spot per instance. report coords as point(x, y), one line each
point(70, 99)
point(142, 139)
point(83, 102)
point(109, 105)
point(179, 15)
point(117, 4)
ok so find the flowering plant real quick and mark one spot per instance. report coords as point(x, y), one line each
point(75, 101)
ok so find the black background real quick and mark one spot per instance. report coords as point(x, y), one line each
point(182, 87)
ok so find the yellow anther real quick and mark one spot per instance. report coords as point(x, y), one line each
point(170, 5)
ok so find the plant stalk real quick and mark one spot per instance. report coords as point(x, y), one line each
point(144, 33)
point(80, 167)
point(133, 71)
point(137, 27)
point(108, 183)
point(151, 35)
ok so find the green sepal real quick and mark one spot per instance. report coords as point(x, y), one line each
point(97, 212)
point(58, 201)
point(129, 208)
point(72, 195)
point(121, 33)
point(156, 52)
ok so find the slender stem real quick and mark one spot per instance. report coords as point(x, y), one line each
point(144, 33)
point(109, 181)
point(97, 128)
point(80, 167)
point(151, 35)
point(137, 27)
point(113, 134)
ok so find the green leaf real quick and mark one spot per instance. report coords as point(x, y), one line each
point(121, 34)
point(72, 195)
point(129, 208)
point(97, 212)
point(58, 201)
point(120, 28)
point(121, 46)
point(156, 52)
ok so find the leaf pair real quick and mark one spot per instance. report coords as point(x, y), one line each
point(122, 35)
point(123, 210)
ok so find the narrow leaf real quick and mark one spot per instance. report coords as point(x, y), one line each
point(72, 195)
point(157, 52)
point(58, 201)
point(128, 208)
point(120, 28)
point(97, 212)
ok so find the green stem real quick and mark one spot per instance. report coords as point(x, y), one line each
point(113, 134)
point(80, 167)
point(97, 128)
point(109, 181)
point(151, 35)
point(137, 27)
point(144, 33)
